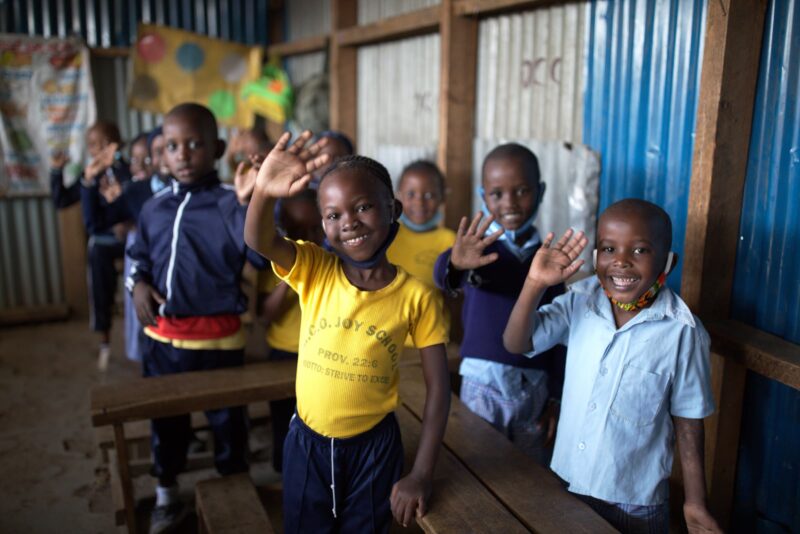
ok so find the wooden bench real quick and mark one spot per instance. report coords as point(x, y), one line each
point(519, 486)
point(230, 505)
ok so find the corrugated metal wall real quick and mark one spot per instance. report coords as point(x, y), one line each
point(375, 10)
point(398, 99)
point(31, 274)
point(306, 18)
point(642, 82)
point(30, 261)
point(767, 280)
point(530, 81)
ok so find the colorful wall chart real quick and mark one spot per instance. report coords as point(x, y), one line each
point(46, 104)
point(174, 66)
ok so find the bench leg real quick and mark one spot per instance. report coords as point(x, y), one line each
point(125, 476)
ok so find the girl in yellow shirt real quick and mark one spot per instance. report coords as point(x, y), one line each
point(343, 457)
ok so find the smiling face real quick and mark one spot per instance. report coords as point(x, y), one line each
point(631, 253)
point(420, 194)
point(140, 162)
point(357, 212)
point(96, 141)
point(190, 147)
point(509, 194)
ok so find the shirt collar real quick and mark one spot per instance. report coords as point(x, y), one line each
point(667, 304)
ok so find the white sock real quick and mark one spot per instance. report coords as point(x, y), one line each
point(166, 496)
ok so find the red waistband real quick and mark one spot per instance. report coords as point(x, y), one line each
point(201, 327)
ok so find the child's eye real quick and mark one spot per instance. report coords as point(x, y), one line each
point(172, 147)
point(410, 195)
point(332, 216)
point(496, 194)
point(521, 192)
point(363, 207)
point(608, 250)
point(640, 250)
point(428, 196)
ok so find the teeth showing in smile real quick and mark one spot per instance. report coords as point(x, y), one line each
point(355, 241)
point(621, 281)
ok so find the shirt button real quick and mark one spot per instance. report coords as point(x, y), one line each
point(592, 406)
point(603, 371)
point(581, 445)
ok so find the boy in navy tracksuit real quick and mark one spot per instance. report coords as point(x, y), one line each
point(185, 280)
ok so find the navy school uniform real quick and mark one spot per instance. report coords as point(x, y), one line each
point(190, 247)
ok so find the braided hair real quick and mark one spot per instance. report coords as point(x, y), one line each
point(423, 166)
point(362, 163)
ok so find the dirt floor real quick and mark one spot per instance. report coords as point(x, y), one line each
point(53, 476)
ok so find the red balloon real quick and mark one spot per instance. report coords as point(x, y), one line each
point(151, 47)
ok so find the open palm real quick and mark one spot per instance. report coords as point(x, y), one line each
point(287, 171)
point(555, 264)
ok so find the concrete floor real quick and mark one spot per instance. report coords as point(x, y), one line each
point(53, 477)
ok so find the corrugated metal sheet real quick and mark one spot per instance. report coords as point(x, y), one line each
point(531, 75)
point(30, 268)
point(306, 18)
point(375, 10)
point(642, 82)
point(767, 280)
point(398, 94)
point(572, 174)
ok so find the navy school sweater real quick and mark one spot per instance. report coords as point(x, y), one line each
point(490, 293)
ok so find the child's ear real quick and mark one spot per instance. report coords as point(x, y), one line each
point(220, 149)
point(397, 209)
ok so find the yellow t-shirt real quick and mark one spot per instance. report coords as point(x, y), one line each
point(416, 252)
point(351, 341)
point(282, 333)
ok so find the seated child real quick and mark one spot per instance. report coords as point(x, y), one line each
point(637, 367)
point(343, 456)
point(421, 237)
point(513, 393)
point(298, 218)
point(185, 279)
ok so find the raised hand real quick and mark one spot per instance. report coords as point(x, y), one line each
point(101, 162)
point(470, 243)
point(58, 160)
point(287, 171)
point(555, 264)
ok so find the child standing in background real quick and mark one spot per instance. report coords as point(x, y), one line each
point(185, 280)
point(517, 395)
point(421, 237)
point(638, 371)
point(343, 455)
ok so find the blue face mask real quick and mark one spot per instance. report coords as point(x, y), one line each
point(431, 224)
point(157, 184)
point(375, 259)
point(509, 237)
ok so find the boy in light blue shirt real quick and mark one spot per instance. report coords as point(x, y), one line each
point(637, 373)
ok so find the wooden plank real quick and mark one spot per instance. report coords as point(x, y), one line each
point(125, 477)
point(111, 52)
point(494, 7)
point(459, 59)
point(343, 82)
point(767, 355)
point(724, 118)
point(460, 503)
point(419, 22)
point(72, 239)
point(316, 43)
point(164, 396)
point(533, 494)
point(230, 505)
point(48, 312)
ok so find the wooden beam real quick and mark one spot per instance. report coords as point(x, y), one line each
point(317, 43)
point(125, 478)
point(459, 59)
point(111, 52)
point(343, 81)
point(417, 22)
point(757, 350)
point(493, 7)
point(724, 118)
point(72, 239)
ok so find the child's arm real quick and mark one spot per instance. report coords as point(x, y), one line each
point(411, 493)
point(285, 172)
point(690, 438)
point(146, 298)
point(550, 266)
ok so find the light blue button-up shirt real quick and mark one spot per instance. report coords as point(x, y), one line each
point(615, 435)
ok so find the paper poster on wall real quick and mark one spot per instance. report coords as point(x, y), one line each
point(174, 66)
point(46, 104)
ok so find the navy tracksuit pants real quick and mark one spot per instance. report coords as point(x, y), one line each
point(364, 469)
point(171, 435)
point(102, 252)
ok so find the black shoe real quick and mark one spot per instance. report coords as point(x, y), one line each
point(166, 518)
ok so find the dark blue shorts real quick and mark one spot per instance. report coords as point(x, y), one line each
point(365, 467)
